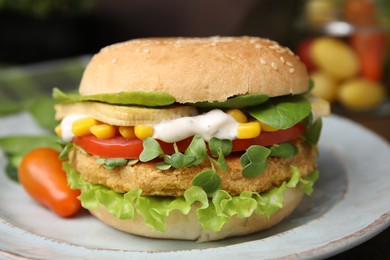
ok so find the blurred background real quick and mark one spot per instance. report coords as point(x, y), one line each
point(344, 43)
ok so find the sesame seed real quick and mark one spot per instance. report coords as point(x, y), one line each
point(289, 51)
point(114, 60)
point(291, 70)
point(289, 64)
point(263, 61)
point(282, 59)
point(258, 46)
point(273, 47)
point(274, 66)
point(146, 50)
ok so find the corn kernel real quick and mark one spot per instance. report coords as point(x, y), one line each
point(238, 115)
point(81, 126)
point(248, 130)
point(267, 128)
point(143, 131)
point(103, 131)
point(127, 132)
point(58, 130)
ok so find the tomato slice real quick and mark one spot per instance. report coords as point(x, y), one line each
point(270, 138)
point(119, 147)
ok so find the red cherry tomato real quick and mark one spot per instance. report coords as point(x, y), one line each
point(370, 47)
point(119, 147)
point(41, 175)
point(303, 51)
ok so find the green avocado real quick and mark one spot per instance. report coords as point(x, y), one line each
point(140, 98)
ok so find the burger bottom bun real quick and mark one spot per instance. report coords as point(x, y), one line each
point(187, 227)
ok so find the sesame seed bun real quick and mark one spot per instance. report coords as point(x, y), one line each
point(196, 69)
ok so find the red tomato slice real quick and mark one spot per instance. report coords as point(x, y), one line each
point(119, 147)
point(270, 138)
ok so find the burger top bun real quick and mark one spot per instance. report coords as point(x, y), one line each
point(196, 69)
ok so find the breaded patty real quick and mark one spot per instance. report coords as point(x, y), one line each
point(174, 182)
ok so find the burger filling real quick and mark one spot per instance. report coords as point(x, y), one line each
point(179, 136)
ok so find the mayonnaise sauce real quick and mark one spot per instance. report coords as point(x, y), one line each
point(214, 123)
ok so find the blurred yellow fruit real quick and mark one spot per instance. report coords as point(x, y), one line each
point(324, 86)
point(335, 58)
point(319, 12)
point(361, 94)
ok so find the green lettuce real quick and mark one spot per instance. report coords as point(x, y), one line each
point(212, 213)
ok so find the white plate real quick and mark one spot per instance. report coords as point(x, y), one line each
point(349, 206)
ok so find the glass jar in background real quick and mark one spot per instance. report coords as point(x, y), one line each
point(345, 45)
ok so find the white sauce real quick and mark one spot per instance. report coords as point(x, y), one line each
point(214, 123)
point(66, 126)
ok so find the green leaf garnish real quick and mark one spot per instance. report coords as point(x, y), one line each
point(179, 160)
point(220, 145)
point(313, 133)
point(16, 147)
point(151, 151)
point(284, 150)
point(254, 161)
point(220, 148)
point(65, 151)
point(111, 163)
point(236, 102)
point(208, 180)
point(140, 98)
point(197, 149)
point(282, 112)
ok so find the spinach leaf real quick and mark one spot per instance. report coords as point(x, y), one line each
point(313, 133)
point(282, 112)
point(15, 147)
point(235, 102)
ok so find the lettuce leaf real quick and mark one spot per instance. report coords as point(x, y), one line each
point(212, 213)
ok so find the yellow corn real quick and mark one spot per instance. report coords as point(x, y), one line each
point(238, 115)
point(103, 131)
point(248, 130)
point(58, 130)
point(127, 131)
point(267, 128)
point(143, 131)
point(81, 126)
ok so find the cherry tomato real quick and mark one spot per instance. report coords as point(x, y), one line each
point(119, 147)
point(370, 47)
point(303, 51)
point(41, 175)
